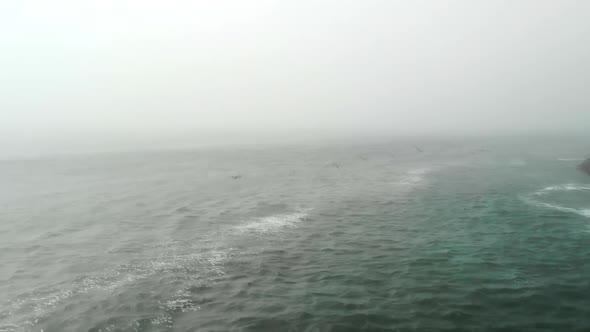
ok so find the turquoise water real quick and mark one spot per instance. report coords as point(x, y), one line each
point(466, 236)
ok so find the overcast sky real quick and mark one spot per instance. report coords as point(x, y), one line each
point(129, 67)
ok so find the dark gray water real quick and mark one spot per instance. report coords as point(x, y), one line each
point(465, 236)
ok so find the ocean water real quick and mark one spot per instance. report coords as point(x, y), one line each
point(468, 235)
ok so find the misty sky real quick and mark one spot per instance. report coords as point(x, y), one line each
point(126, 67)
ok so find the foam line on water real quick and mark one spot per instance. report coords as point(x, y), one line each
point(585, 212)
point(176, 257)
point(562, 187)
point(581, 212)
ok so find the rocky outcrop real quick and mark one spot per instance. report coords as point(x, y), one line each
point(585, 166)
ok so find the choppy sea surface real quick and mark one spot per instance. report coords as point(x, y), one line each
point(447, 235)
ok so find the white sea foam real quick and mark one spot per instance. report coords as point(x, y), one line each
point(585, 212)
point(570, 159)
point(272, 224)
point(176, 256)
point(562, 187)
point(581, 212)
point(415, 176)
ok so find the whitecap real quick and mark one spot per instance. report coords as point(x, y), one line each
point(570, 159)
point(272, 224)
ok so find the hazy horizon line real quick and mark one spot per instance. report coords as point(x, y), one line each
point(91, 145)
